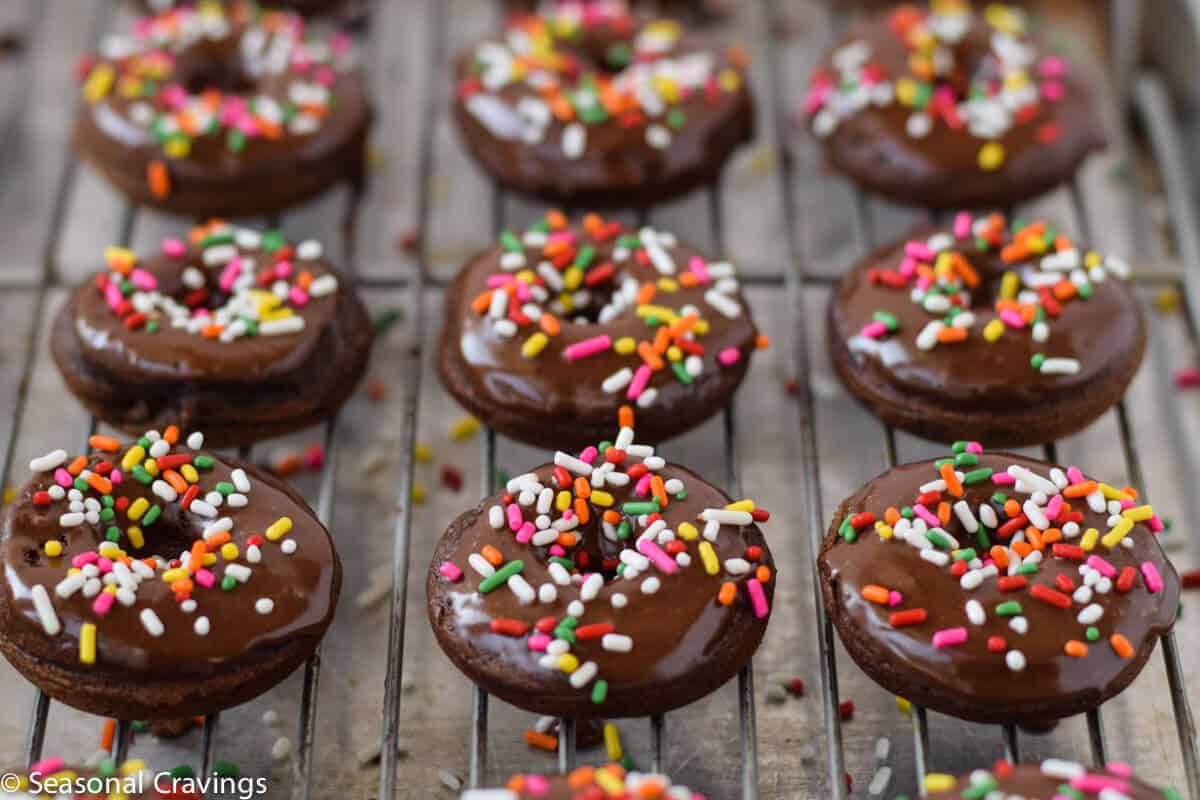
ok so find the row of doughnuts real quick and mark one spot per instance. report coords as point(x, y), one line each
point(155, 578)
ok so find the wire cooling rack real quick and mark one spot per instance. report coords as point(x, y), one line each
point(1145, 94)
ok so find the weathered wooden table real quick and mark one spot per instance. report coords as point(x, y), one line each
point(789, 226)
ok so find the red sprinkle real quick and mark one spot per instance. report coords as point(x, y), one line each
point(760, 515)
point(1048, 595)
point(911, 616)
point(41, 498)
point(794, 687)
point(1011, 583)
point(545, 624)
point(594, 631)
point(452, 478)
point(1070, 551)
point(562, 477)
point(862, 519)
point(1063, 581)
point(191, 494)
point(509, 627)
point(1190, 580)
point(996, 644)
point(753, 553)
point(1012, 526)
point(1126, 578)
point(846, 710)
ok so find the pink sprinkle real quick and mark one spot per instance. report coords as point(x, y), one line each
point(1054, 507)
point(1052, 67)
point(103, 603)
point(524, 293)
point(297, 296)
point(105, 564)
point(588, 347)
point(1075, 475)
point(47, 766)
point(894, 598)
point(536, 785)
point(1103, 567)
point(175, 96)
point(174, 248)
point(698, 268)
point(918, 250)
point(230, 273)
point(1188, 378)
point(908, 267)
point(1119, 768)
point(83, 559)
point(115, 477)
point(1091, 782)
point(1155, 524)
point(643, 486)
point(526, 533)
point(283, 269)
point(589, 454)
point(927, 515)
point(949, 637)
point(63, 478)
point(962, 225)
point(539, 642)
point(205, 578)
point(113, 296)
point(975, 447)
point(565, 235)
point(450, 570)
point(661, 560)
point(324, 76)
point(557, 550)
point(1003, 479)
point(515, 518)
point(924, 282)
point(1052, 91)
point(568, 514)
point(1011, 318)
point(814, 100)
point(873, 330)
point(758, 598)
point(640, 378)
point(143, 280)
point(1126, 503)
point(729, 356)
point(339, 42)
point(499, 281)
point(1153, 579)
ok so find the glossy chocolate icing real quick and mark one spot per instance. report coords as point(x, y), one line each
point(1043, 782)
point(942, 170)
point(619, 166)
point(303, 586)
point(976, 388)
point(239, 390)
point(551, 401)
point(685, 643)
point(969, 680)
point(238, 54)
point(582, 782)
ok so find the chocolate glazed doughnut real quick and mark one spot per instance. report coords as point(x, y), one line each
point(243, 332)
point(997, 588)
point(1009, 334)
point(224, 111)
point(1047, 780)
point(347, 12)
point(601, 109)
point(605, 585)
point(610, 780)
point(158, 580)
point(546, 335)
point(944, 108)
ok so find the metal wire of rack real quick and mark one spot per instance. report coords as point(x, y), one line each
point(1151, 102)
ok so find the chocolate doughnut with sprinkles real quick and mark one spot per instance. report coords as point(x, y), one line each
point(548, 333)
point(998, 588)
point(610, 780)
point(157, 580)
point(1009, 333)
point(606, 584)
point(245, 332)
point(1052, 779)
point(597, 108)
point(941, 107)
point(215, 109)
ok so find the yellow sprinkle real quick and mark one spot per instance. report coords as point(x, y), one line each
point(709, 558)
point(535, 344)
point(993, 330)
point(741, 505)
point(275, 314)
point(87, 643)
point(667, 88)
point(1005, 18)
point(177, 148)
point(136, 539)
point(423, 453)
point(572, 278)
point(567, 301)
point(668, 285)
point(1088, 541)
point(674, 353)
point(609, 783)
point(111, 589)
point(991, 156)
point(210, 559)
point(1010, 284)
point(99, 82)
point(53, 548)
point(906, 91)
point(1118, 532)
point(1111, 493)
point(662, 312)
point(939, 782)
point(1138, 513)
point(133, 456)
point(883, 529)
point(527, 276)
point(119, 257)
point(110, 550)
point(1166, 300)
point(701, 327)
point(9, 493)
point(132, 767)
point(137, 508)
point(464, 428)
point(688, 532)
point(278, 528)
point(903, 706)
point(130, 86)
point(729, 80)
point(189, 473)
point(562, 500)
point(172, 575)
point(418, 493)
point(625, 345)
point(151, 466)
point(229, 551)
point(612, 742)
point(568, 663)
point(602, 499)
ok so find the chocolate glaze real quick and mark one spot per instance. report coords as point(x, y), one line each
point(942, 169)
point(968, 681)
point(1029, 781)
point(251, 388)
point(619, 168)
point(268, 175)
point(685, 644)
point(549, 401)
point(304, 587)
point(985, 391)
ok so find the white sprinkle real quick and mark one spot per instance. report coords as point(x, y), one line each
point(883, 749)
point(288, 546)
point(1036, 482)
point(72, 519)
point(51, 460)
point(725, 516)
point(281, 749)
point(737, 566)
point(936, 557)
point(253, 554)
point(619, 600)
point(264, 605)
point(240, 481)
point(651, 585)
point(1015, 660)
point(309, 250)
point(1036, 515)
point(160, 448)
point(482, 565)
point(201, 626)
point(570, 462)
point(616, 643)
point(240, 572)
point(575, 609)
point(195, 440)
point(574, 140)
point(45, 610)
point(203, 509)
point(521, 588)
point(1060, 366)
point(559, 574)
point(963, 511)
point(165, 491)
point(547, 593)
point(1019, 624)
point(151, 622)
point(584, 675)
point(591, 587)
point(617, 381)
point(879, 782)
point(496, 517)
point(975, 612)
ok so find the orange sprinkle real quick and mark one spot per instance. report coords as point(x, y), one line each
point(762, 342)
point(625, 416)
point(1012, 507)
point(658, 489)
point(763, 573)
point(583, 488)
point(1080, 489)
point(682, 325)
point(953, 484)
point(645, 293)
point(492, 555)
point(171, 434)
point(211, 331)
point(215, 540)
point(688, 280)
point(965, 270)
point(182, 586)
point(108, 444)
point(876, 594)
point(1121, 645)
point(1075, 648)
point(76, 466)
point(612, 517)
point(549, 324)
point(304, 279)
point(107, 733)
point(158, 179)
point(662, 340)
point(950, 334)
point(175, 480)
point(592, 222)
point(582, 510)
point(581, 777)
point(543, 741)
point(1052, 535)
point(652, 359)
point(892, 515)
point(556, 219)
point(100, 483)
point(1022, 548)
point(481, 302)
point(1000, 556)
point(566, 539)
point(727, 593)
point(1034, 537)
point(1064, 290)
point(943, 512)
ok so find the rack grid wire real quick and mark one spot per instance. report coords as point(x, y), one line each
point(1145, 94)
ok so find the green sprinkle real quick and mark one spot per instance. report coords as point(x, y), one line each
point(273, 241)
point(1037, 360)
point(107, 501)
point(888, 319)
point(141, 475)
point(966, 554)
point(1092, 633)
point(107, 514)
point(981, 538)
point(629, 242)
point(966, 460)
point(938, 538)
point(235, 140)
point(1085, 291)
point(977, 475)
point(1010, 608)
point(1000, 498)
point(81, 484)
point(203, 462)
point(624, 530)
point(682, 495)
point(1027, 569)
point(151, 326)
point(676, 119)
point(907, 512)
point(151, 516)
point(500, 576)
point(980, 790)
point(681, 372)
point(214, 239)
point(228, 583)
point(619, 55)
point(566, 563)
point(183, 771)
point(510, 242)
point(140, 726)
point(106, 768)
point(585, 257)
point(600, 691)
point(638, 507)
point(938, 463)
point(113, 534)
point(226, 488)
point(225, 769)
